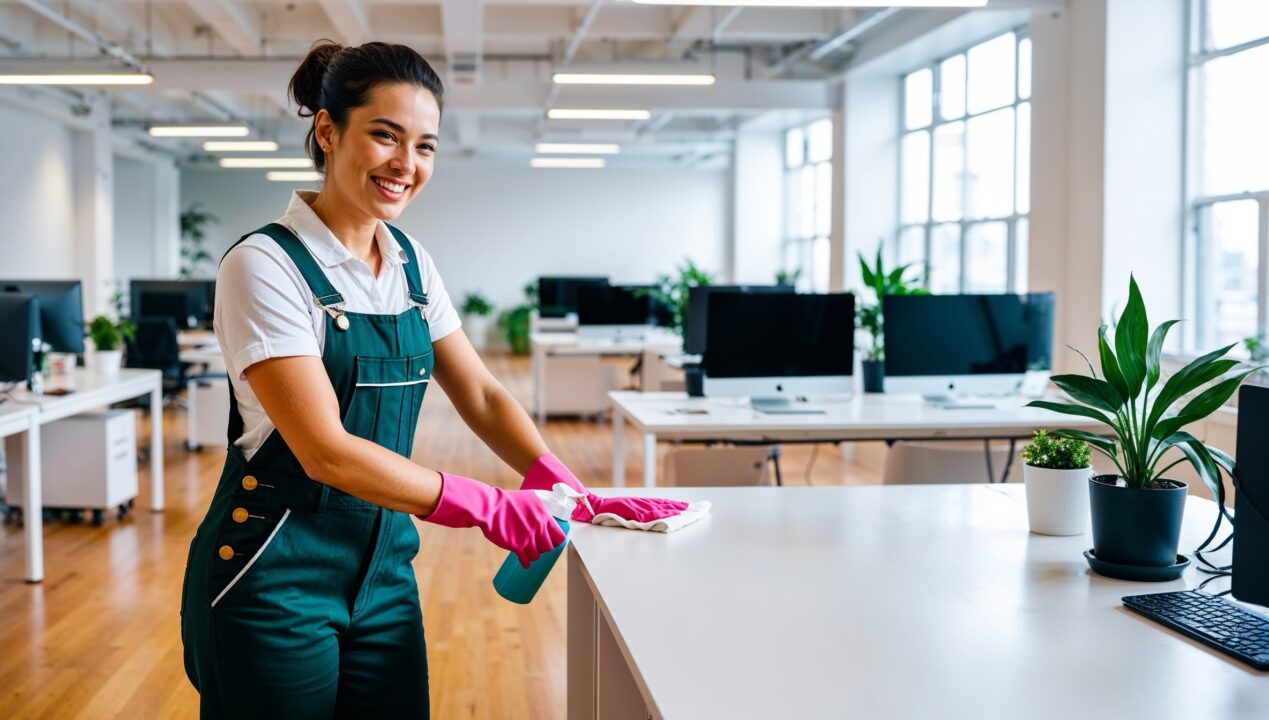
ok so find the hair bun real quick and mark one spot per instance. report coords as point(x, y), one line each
point(306, 84)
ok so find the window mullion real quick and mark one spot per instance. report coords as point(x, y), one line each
point(1262, 277)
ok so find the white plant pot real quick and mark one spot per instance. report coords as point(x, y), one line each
point(1057, 500)
point(477, 327)
point(109, 361)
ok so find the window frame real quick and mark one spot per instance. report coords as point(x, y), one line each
point(1013, 281)
point(798, 251)
point(1197, 277)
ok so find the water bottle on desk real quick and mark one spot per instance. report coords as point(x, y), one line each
point(518, 583)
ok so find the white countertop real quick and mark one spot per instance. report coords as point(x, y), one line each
point(894, 602)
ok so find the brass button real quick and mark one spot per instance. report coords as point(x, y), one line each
point(240, 515)
point(249, 482)
point(226, 552)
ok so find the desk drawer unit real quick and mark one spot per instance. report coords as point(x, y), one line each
point(89, 461)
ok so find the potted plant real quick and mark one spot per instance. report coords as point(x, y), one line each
point(514, 323)
point(1137, 511)
point(868, 315)
point(476, 310)
point(193, 252)
point(788, 277)
point(1056, 471)
point(673, 292)
point(106, 334)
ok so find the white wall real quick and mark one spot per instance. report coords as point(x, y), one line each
point(134, 219)
point(758, 211)
point(36, 197)
point(496, 228)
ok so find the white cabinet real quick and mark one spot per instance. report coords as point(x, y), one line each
point(89, 461)
point(208, 412)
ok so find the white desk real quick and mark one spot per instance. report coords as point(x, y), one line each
point(877, 602)
point(545, 345)
point(92, 391)
point(18, 421)
point(862, 417)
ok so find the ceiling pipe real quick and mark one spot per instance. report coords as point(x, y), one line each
point(83, 33)
point(814, 52)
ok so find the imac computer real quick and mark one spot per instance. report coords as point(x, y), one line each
point(188, 302)
point(20, 318)
point(557, 296)
point(945, 346)
point(61, 304)
point(696, 320)
point(775, 347)
point(614, 311)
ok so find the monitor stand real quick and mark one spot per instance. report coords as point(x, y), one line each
point(781, 406)
point(958, 402)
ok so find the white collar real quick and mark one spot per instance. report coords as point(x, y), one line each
point(323, 244)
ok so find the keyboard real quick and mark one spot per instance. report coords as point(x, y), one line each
point(1213, 621)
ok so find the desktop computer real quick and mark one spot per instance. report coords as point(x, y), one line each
point(771, 347)
point(20, 318)
point(696, 320)
point(615, 311)
point(61, 304)
point(557, 296)
point(188, 302)
point(942, 346)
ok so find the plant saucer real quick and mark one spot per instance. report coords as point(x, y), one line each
point(1139, 573)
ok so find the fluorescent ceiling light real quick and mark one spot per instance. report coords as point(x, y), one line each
point(265, 162)
point(572, 163)
point(240, 146)
point(630, 79)
point(76, 79)
point(562, 114)
point(821, 3)
point(294, 175)
point(187, 131)
point(579, 148)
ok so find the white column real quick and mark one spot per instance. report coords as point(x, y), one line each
point(167, 220)
point(758, 205)
point(837, 257)
point(93, 162)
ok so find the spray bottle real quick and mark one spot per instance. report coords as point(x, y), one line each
point(518, 583)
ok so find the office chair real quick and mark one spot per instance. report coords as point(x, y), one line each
point(155, 348)
point(742, 466)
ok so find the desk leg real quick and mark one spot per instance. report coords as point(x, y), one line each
point(33, 508)
point(581, 669)
point(649, 460)
point(156, 448)
point(618, 448)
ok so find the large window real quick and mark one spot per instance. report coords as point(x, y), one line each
point(808, 202)
point(1227, 248)
point(964, 168)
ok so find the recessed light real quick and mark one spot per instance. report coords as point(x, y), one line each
point(266, 162)
point(631, 79)
point(580, 148)
point(240, 146)
point(573, 114)
point(76, 79)
point(294, 175)
point(189, 131)
point(568, 163)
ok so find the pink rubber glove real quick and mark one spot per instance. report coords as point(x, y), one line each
point(514, 520)
point(548, 470)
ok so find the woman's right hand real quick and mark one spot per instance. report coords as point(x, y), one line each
point(514, 520)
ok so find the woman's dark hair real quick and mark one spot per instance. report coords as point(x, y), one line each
point(340, 78)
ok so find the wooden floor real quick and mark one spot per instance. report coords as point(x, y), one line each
point(100, 637)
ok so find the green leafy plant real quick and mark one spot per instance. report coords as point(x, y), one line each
point(107, 333)
point(514, 322)
point(1257, 348)
point(1056, 453)
point(788, 277)
point(1129, 400)
point(882, 282)
point(193, 252)
point(474, 303)
point(673, 291)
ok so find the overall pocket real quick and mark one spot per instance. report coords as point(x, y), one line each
point(246, 532)
point(385, 403)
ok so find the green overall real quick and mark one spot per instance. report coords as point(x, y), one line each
point(299, 599)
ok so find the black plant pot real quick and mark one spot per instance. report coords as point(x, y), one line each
point(874, 376)
point(694, 379)
point(1136, 527)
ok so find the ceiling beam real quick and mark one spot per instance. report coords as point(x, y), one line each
point(462, 27)
point(349, 19)
point(231, 23)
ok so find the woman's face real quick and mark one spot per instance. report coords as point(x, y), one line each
point(383, 158)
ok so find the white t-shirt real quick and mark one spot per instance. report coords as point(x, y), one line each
point(265, 309)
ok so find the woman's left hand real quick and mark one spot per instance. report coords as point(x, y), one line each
point(547, 470)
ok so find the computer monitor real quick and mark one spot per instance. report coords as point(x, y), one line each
point(696, 319)
point(61, 310)
point(188, 302)
point(20, 318)
point(1250, 581)
point(771, 347)
point(557, 296)
point(946, 345)
point(614, 310)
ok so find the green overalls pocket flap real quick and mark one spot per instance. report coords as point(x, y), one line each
point(393, 371)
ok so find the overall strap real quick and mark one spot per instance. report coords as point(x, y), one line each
point(412, 269)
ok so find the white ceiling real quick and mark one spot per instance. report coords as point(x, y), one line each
point(231, 59)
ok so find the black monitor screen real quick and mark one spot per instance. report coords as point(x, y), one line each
point(967, 334)
point(61, 310)
point(557, 296)
point(779, 335)
point(20, 318)
point(1251, 502)
point(696, 321)
point(614, 305)
point(187, 302)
